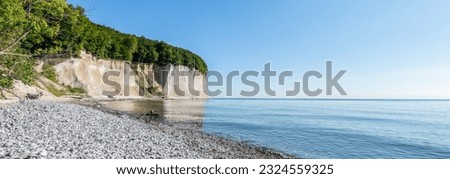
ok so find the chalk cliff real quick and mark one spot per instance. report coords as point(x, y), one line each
point(103, 78)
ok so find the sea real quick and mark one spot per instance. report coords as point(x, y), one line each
point(318, 128)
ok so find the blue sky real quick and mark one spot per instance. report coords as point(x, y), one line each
point(390, 49)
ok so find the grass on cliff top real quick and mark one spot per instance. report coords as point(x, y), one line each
point(75, 90)
point(54, 91)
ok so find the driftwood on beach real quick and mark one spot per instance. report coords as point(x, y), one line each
point(33, 96)
point(28, 96)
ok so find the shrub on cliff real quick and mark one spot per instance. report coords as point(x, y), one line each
point(49, 72)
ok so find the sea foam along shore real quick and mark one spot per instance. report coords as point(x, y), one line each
point(44, 129)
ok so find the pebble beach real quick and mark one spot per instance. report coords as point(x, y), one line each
point(61, 130)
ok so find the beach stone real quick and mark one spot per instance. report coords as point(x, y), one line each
point(8, 144)
point(65, 130)
point(24, 155)
point(43, 153)
point(2, 153)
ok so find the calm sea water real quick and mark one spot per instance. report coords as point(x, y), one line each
point(326, 128)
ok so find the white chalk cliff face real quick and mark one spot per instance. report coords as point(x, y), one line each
point(103, 78)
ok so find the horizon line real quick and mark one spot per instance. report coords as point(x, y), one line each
point(343, 99)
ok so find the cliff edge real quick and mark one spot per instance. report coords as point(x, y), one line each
point(101, 78)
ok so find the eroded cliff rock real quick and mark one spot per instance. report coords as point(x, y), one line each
point(103, 78)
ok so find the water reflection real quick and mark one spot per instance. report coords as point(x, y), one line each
point(190, 113)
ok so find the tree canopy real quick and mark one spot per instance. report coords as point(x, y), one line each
point(33, 28)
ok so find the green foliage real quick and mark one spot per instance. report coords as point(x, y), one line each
point(19, 68)
point(131, 43)
point(75, 90)
point(45, 20)
point(68, 90)
point(52, 89)
point(12, 22)
point(13, 25)
point(49, 72)
point(105, 42)
point(40, 28)
point(5, 81)
point(146, 52)
point(24, 71)
point(74, 32)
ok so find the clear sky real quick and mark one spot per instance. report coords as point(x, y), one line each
point(390, 49)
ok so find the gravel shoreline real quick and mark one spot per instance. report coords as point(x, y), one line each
point(44, 129)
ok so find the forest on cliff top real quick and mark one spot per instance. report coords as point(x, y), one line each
point(32, 29)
